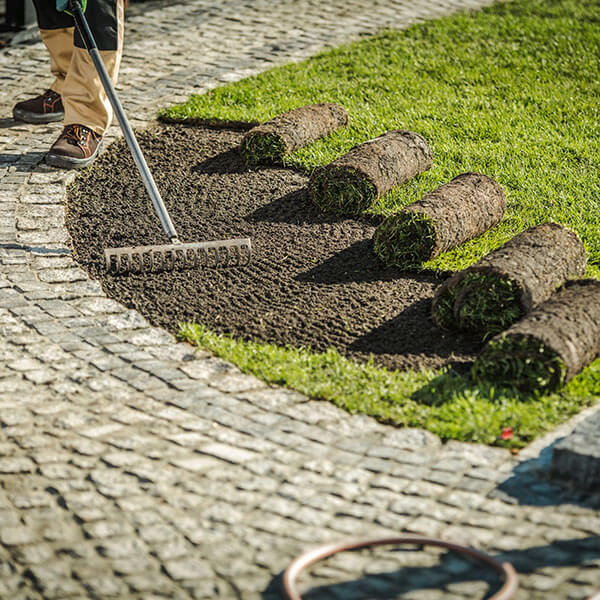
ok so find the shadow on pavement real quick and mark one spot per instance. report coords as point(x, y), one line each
point(530, 484)
point(9, 123)
point(36, 249)
point(22, 162)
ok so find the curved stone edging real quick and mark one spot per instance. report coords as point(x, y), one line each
point(131, 465)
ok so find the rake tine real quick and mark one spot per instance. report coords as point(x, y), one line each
point(211, 255)
point(136, 262)
point(164, 261)
point(205, 256)
point(125, 263)
point(225, 250)
point(234, 256)
point(192, 257)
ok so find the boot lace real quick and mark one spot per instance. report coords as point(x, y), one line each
point(77, 135)
point(51, 95)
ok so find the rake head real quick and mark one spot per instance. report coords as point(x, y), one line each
point(178, 256)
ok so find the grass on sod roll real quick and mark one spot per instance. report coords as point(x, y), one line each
point(342, 190)
point(491, 305)
point(522, 362)
point(260, 148)
point(402, 240)
point(510, 91)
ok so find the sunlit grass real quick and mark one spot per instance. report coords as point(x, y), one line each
point(446, 404)
point(512, 92)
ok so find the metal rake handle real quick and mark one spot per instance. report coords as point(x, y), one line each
point(136, 152)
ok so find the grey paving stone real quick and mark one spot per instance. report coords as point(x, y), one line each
point(201, 482)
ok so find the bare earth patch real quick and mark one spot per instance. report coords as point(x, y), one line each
point(314, 280)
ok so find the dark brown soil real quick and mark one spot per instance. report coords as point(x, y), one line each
point(314, 279)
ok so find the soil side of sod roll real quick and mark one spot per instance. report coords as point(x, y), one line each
point(270, 142)
point(511, 280)
point(454, 213)
point(350, 184)
point(550, 345)
point(313, 281)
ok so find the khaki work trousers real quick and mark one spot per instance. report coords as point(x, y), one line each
point(76, 79)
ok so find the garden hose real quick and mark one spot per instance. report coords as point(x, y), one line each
point(505, 570)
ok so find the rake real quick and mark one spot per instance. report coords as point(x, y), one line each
point(176, 254)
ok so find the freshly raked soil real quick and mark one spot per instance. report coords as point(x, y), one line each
point(314, 280)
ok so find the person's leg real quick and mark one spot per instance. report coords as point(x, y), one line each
point(88, 112)
point(56, 29)
point(84, 97)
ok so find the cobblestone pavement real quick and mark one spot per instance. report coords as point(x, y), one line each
point(134, 467)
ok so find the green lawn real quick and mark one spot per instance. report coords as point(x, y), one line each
point(511, 91)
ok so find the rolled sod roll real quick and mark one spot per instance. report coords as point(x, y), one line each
point(550, 345)
point(270, 142)
point(508, 282)
point(455, 212)
point(350, 184)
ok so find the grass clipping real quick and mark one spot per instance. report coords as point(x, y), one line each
point(549, 346)
point(455, 212)
point(507, 283)
point(350, 184)
point(271, 142)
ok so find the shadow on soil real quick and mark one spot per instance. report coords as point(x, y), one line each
point(403, 338)
point(453, 572)
point(341, 267)
point(222, 164)
point(297, 208)
point(336, 269)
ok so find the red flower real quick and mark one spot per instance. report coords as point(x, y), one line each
point(507, 433)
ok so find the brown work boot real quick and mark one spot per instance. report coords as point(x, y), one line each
point(76, 147)
point(46, 108)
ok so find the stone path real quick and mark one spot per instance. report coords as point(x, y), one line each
point(134, 467)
